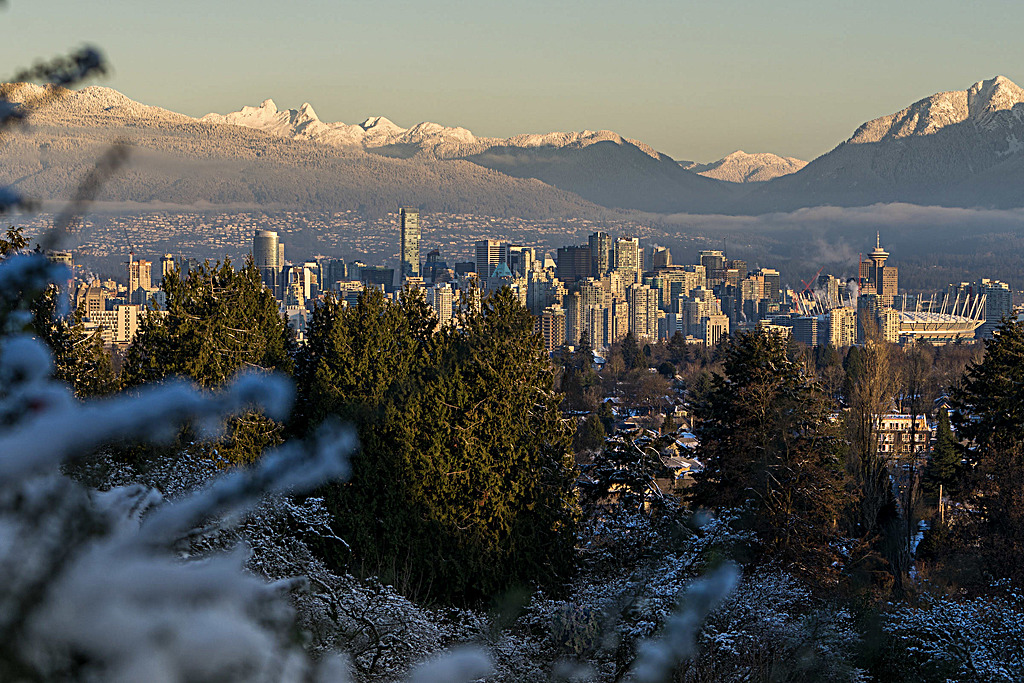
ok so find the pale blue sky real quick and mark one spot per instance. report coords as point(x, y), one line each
point(696, 80)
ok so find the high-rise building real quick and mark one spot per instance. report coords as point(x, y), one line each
point(714, 328)
point(662, 257)
point(166, 265)
point(574, 263)
point(552, 327)
point(842, 326)
point(442, 300)
point(627, 258)
point(643, 309)
point(91, 298)
point(600, 244)
point(805, 330)
point(410, 233)
point(713, 261)
point(772, 284)
point(140, 274)
point(998, 304)
point(488, 256)
point(266, 256)
point(332, 271)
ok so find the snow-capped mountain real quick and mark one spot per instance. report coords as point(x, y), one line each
point(960, 148)
point(601, 166)
point(740, 167)
point(381, 135)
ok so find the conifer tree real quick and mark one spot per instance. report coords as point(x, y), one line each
point(989, 417)
point(944, 467)
point(767, 444)
point(464, 454)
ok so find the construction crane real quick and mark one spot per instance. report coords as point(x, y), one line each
point(807, 283)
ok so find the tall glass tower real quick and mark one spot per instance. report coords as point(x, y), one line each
point(410, 255)
point(266, 254)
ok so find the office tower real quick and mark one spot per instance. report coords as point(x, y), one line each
point(627, 258)
point(574, 263)
point(805, 330)
point(380, 277)
point(739, 265)
point(488, 256)
point(266, 256)
point(140, 276)
point(166, 265)
point(662, 257)
point(410, 255)
point(772, 284)
point(91, 298)
point(520, 259)
point(600, 244)
point(713, 261)
point(332, 271)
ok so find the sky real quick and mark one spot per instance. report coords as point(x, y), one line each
point(695, 80)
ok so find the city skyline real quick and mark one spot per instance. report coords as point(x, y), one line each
point(696, 81)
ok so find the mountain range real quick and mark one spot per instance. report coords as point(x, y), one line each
point(959, 148)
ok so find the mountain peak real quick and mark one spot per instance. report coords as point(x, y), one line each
point(377, 122)
point(269, 105)
point(943, 109)
point(995, 94)
point(740, 167)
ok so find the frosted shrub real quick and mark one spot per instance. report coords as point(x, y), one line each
point(979, 639)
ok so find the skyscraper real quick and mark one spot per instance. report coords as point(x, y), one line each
point(266, 251)
point(488, 256)
point(410, 219)
point(627, 257)
point(574, 263)
point(600, 253)
point(166, 265)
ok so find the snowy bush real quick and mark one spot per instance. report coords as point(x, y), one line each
point(980, 639)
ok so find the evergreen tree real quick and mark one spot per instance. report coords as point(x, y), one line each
point(78, 357)
point(631, 355)
point(767, 443)
point(218, 321)
point(989, 416)
point(590, 434)
point(944, 467)
point(464, 455)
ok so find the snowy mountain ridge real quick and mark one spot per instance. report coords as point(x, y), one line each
point(740, 167)
point(432, 139)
